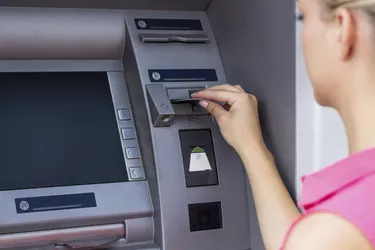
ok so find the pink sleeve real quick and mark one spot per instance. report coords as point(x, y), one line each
point(354, 203)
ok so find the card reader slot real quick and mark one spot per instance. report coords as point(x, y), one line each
point(186, 100)
point(173, 38)
point(94, 236)
point(166, 103)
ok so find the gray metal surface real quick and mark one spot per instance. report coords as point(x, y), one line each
point(256, 40)
point(164, 159)
point(60, 65)
point(162, 112)
point(36, 33)
point(116, 203)
point(113, 4)
point(128, 203)
point(139, 230)
point(121, 101)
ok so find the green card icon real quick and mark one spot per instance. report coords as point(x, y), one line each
point(199, 160)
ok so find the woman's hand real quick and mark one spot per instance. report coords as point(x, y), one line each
point(238, 118)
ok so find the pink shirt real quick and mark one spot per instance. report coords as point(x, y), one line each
point(346, 189)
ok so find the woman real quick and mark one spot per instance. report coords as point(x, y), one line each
point(339, 209)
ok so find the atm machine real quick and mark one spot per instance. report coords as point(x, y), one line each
point(101, 144)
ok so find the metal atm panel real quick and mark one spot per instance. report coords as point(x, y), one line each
point(163, 203)
point(71, 213)
point(176, 205)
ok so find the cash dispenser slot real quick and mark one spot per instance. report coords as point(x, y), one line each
point(85, 237)
point(168, 102)
point(173, 38)
point(70, 238)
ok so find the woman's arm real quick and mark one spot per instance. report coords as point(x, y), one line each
point(325, 231)
point(240, 127)
point(275, 208)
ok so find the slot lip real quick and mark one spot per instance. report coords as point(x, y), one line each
point(186, 100)
point(173, 38)
point(104, 234)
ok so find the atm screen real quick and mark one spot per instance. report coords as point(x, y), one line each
point(58, 129)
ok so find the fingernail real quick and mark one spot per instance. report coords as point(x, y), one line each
point(203, 103)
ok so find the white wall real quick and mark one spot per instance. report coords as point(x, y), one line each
point(321, 136)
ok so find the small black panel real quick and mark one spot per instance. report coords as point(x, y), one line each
point(183, 75)
point(57, 202)
point(168, 24)
point(198, 138)
point(205, 216)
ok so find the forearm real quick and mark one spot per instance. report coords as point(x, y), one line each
point(275, 208)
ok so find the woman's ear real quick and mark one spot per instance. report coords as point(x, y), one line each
point(345, 29)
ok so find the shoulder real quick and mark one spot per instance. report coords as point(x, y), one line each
point(326, 231)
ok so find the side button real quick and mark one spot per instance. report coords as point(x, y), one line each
point(127, 133)
point(132, 153)
point(135, 173)
point(123, 114)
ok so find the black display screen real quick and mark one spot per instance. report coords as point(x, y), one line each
point(58, 129)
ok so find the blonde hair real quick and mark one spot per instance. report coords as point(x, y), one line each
point(367, 6)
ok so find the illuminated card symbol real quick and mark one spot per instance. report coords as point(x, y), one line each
point(199, 160)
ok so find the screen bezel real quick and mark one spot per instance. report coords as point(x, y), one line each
point(116, 201)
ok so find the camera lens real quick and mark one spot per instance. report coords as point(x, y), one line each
point(204, 218)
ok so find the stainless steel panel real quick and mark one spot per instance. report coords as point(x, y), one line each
point(162, 112)
point(33, 34)
point(121, 101)
point(139, 230)
point(113, 4)
point(115, 203)
point(171, 216)
point(60, 65)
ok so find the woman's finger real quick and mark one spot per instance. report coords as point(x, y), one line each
point(223, 96)
point(214, 108)
point(227, 87)
point(239, 88)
